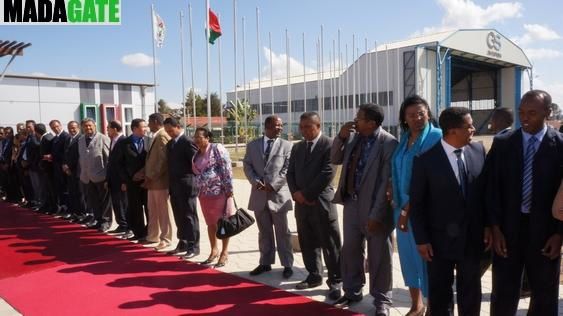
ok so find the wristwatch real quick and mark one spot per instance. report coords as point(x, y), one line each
point(404, 213)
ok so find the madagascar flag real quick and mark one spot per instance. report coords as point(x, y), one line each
point(214, 27)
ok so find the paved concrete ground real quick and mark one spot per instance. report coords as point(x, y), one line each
point(243, 257)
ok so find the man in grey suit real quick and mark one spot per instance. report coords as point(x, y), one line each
point(93, 151)
point(365, 156)
point(309, 178)
point(265, 167)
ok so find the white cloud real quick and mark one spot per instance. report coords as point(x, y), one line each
point(279, 65)
point(542, 53)
point(555, 89)
point(467, 14)
point(536, 32)
point(137, 60)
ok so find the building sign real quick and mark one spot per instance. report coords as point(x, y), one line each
point(60, 12)
point(494, 45)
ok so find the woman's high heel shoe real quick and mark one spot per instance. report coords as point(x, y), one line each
point(222, 261)
point(210, 259)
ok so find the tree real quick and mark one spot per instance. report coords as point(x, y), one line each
point(201, 104)
point(236, 114)
point(163, 108)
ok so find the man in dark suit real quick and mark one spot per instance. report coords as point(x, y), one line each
point(131, 172)
point(182, 189)
point(118, 196)
point(448, 216)
point(309, 177)
point(76, 201)
point(526, 172)
point(45, 170)
point(28, 162)
point(57, 158)
point(364, 149)
point(6, 163)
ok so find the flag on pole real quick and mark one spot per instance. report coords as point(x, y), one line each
point(214, 27)
point(159, 29)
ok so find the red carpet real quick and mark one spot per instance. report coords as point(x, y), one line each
point(50, 267)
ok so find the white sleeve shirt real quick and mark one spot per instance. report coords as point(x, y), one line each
point(452, 158)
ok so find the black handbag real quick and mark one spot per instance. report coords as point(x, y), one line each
point(232, 225)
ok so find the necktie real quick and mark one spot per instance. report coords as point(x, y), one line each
point(527, 175)
point(309, 149)
point(140, 146)
point(353, 167)
point(462, 172)
point(268, 150)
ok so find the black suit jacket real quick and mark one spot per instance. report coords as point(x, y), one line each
point(45, 148)
point(506, 158)
point(131, 161)
point(6, 157)
point(312, 174)
point(58, 147)
point(71, 154)
point(115, 155)
point(440, 214)
point(180, 155)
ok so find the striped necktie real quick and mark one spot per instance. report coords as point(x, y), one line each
point(527, 175)
point(461, 171)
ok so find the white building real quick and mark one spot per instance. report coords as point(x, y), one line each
point(480, 69)
point(43, 99)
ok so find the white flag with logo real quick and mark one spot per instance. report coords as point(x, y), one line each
point(159, 29)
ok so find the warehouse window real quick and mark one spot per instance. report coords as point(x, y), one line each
point(87, 95)
point(106, 93)
point(125, 94)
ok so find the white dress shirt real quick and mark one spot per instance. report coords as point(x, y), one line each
point(452, 158)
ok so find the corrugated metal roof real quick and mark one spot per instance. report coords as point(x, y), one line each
point(36, 77)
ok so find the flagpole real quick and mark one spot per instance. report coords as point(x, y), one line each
point(354, 73)
point(192, 66)
point(235, 66)
point(347, 97)
point(322, 92)
point(259, 68)
point(304, 78)
point(246, 91)
point(376, 76)
point(319, 77)
point(367, 71)
point(207, 30)
point(221, 92)
point(183, 68)
point(271, 71)
point(154, 58)
point(330, 81)
point(333, 87)
point(398, 86)
point(339, 83)
point(387, 86)
point(287, 65)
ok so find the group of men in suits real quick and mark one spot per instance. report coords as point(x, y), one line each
point(463, 203)
point(82, 174)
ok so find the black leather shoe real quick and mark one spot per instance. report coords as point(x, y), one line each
point(127, 235)
point(287, 272)
point(118, 230)
point(177, 252)
point(334, 291)
point(93, 224)
point(344, 302)
point(190, 254)
point(308, 283)
point(260, 269)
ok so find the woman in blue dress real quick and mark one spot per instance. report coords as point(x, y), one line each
point(418, 136)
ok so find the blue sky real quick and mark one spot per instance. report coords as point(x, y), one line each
point(98, 51)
